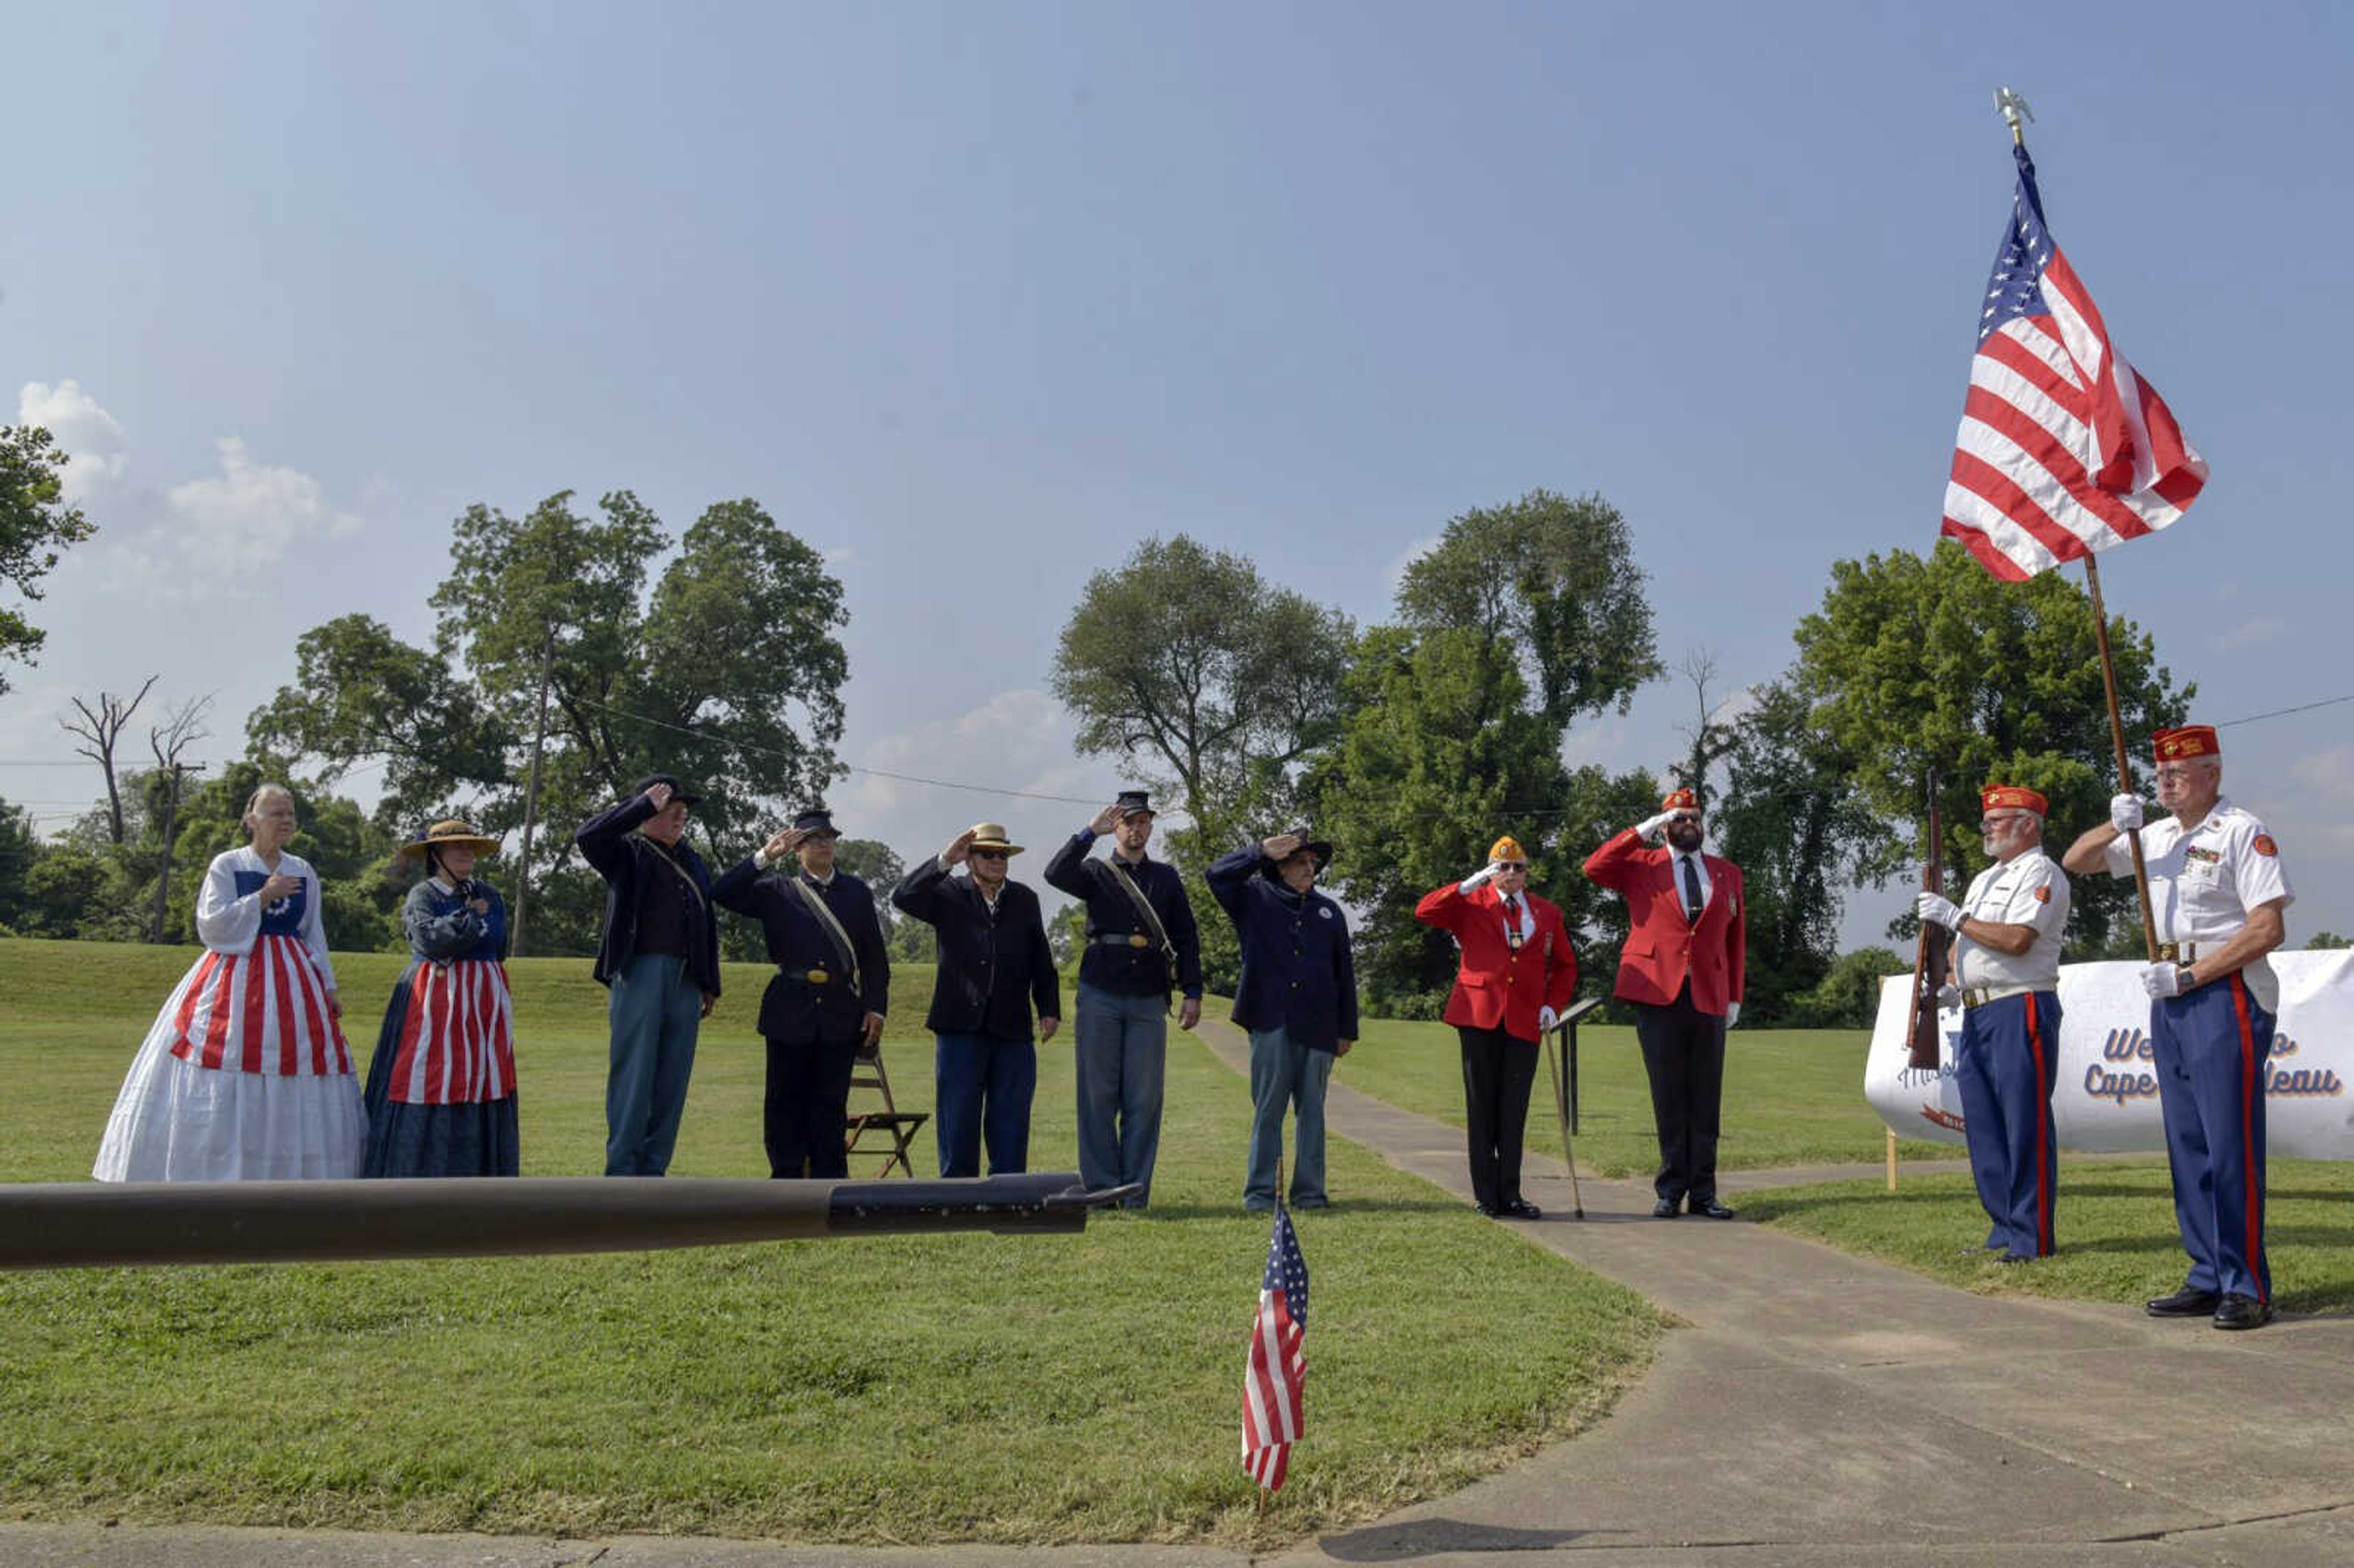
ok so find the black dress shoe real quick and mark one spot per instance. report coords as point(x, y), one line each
point(2187, 1302)
point(1522, 1209)
point(2238, 1311)
point(1710, 1209)
point(1666, 1209)
point(1486, 1210)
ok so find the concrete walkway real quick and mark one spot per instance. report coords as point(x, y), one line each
point(1817, 1412)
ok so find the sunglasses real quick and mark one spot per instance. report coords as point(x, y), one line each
point(988, 855)
point(1685, 817)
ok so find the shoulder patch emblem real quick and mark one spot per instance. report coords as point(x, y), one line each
point(1325, 910)
point(2264, 844)
point(2044, 893)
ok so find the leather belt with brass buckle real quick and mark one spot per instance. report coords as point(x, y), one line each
point(1981, 995)
point(1114, 940)
point(816, 976)
point(2183, 952)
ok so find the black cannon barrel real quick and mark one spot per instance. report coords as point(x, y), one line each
point(89, 1225)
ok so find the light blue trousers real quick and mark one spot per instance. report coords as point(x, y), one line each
point(654, 1011)
point(1123, 1057)
point(1283, 1074)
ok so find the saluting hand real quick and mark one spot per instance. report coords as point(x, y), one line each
point(959, 850)
point(781, 842)
point(659, 795)
point(1106, 820)
point(1283, 846)
point(1650, 828)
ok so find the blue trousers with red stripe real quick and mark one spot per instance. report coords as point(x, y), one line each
point(2005, 1067)
point(2210, 1049)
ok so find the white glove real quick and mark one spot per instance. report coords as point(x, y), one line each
point(2161, 981)
point(1651, 827)
point(1949, 997)
point(1938, 909)
point(1732, 1013)
point(1547, 1018)
point(1481, 877)
point(2125, 812)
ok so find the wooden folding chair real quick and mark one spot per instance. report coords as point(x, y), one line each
point(896, 1125)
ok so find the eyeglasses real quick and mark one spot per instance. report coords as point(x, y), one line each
point(2005, 818)
point(2181, 769)
point(988, 855)
point(1685, 817)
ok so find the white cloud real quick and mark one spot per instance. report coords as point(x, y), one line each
point(2249, 633)
point(224, 534)
point(1393, 575)
point(90, 435)
point(842, 555)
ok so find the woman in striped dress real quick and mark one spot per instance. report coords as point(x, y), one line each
point(441, 1086)
point(245, 1075)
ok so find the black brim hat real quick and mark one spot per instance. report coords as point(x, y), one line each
point(815, 821)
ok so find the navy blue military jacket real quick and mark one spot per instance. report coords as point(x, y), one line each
point(1297, 973)
point(993, 971)
point(796, 1008)
point(1120, 967)
point(626, 861)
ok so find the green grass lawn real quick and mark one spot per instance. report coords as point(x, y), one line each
point(1792, 1097)
point(906, 1389)
point(2114, 1220)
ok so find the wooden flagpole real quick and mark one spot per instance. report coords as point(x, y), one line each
point(2015, 112)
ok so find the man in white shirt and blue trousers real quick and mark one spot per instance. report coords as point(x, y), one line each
point(2006, 979)
point(2218, 891)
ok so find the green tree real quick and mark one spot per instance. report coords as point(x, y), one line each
point(36, 526)
point(726, 671)
point(1186, 665)
point(1848, 996)
point(2320, 942)
point(360, 694)
point(1521, 620)
point(20, 852)
point(1917, 665)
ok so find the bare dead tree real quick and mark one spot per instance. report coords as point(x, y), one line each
point(1710, 739)
point(99, 729)
point(182, 727)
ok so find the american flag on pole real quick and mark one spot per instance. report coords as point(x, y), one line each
point(2063, 450)
point(1276, 1369)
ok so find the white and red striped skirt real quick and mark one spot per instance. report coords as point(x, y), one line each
point(243, 1076)
point(457, 1036)
point(262, 1012)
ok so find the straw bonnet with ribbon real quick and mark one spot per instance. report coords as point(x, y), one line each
point(450, 833)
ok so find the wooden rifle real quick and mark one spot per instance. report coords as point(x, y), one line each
point(1926, 1039)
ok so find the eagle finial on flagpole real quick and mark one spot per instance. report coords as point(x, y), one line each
point(2015, 112)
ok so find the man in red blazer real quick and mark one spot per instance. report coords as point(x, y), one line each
point(1516, 975)
point(1681, 972)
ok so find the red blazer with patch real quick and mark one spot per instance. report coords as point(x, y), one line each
point(1497, 987)
point(1664, 949)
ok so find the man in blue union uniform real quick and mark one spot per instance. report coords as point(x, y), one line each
point(2217, 890)
point(1141, 944)
point(2006, 966)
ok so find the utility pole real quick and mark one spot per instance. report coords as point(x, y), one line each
point(531, 792)
point(171, 817)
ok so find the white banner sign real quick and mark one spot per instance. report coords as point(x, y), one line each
point(2107, 1094)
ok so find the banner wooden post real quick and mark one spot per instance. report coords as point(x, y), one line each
point(1892, 1159)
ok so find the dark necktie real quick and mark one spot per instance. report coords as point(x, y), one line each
point(1692, 889)
point(1512, 921)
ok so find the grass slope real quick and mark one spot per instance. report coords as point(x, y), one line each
point(911, 1389)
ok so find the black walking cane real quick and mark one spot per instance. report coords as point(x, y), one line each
point(1563, 1041)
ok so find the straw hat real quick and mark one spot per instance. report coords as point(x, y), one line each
point(991, 836)
point(450, 833)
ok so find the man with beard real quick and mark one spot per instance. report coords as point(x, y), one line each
point(1682, 971)
point(826, 1004)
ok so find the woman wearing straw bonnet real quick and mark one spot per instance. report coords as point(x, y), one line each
point(441, 1086)
point(245, 1075)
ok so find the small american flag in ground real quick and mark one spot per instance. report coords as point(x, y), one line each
point(1271, 1382)
point(2063, 449)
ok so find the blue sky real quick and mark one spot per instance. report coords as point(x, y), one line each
point(974, 297)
